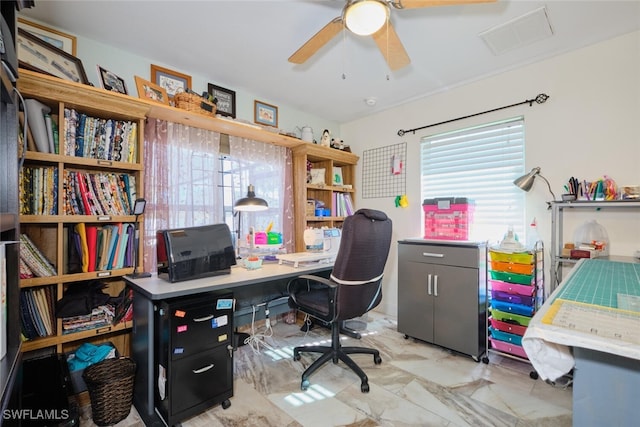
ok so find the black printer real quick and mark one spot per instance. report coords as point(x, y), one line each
point(194, 252)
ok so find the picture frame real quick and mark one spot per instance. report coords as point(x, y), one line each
point(151, 91)
point(226, 100)
point(61, 40)
point(111, 82)
point(265, 114)
point(37, 55)
point(172, 81)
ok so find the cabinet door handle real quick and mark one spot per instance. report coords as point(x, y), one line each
point(432, 255)
point(201, 370)
point(429, 284)
point(203, 319)
point(435, 285)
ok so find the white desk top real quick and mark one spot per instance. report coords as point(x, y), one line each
point(587, 325)
point(156, 288)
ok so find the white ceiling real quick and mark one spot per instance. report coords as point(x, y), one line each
point(246, 44)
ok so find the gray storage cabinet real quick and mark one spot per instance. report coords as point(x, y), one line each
point(442, 294)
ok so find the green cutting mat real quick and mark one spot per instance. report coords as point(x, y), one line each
point(602, 282)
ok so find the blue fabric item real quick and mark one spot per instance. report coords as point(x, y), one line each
point(88, 354)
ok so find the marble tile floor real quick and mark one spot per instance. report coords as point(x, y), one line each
point(417, 384)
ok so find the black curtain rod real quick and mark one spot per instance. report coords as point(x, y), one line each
point(541, 98)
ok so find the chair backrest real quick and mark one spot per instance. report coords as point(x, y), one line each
point(360, 261)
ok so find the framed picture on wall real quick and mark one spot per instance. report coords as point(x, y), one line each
point(37, 55)
point(265, 114)
point(226, 100)
point(112, 82)
point(151, 91)
point(61, 40)
point(172, 81)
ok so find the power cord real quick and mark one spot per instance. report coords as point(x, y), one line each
point(255, 340)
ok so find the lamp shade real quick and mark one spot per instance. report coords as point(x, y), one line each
point(525, 182)
point(251, 202)
point(365, 17)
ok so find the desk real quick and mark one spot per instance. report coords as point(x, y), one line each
point(249, 287)
point(591, 323)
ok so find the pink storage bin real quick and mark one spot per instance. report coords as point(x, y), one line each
point(507, 327)
point(507, 347)
point(448, 218)
point(512, 288)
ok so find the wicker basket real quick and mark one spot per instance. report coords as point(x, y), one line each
point(110, 385)
point(194, 103)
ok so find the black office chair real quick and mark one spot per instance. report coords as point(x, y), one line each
point(354, 288)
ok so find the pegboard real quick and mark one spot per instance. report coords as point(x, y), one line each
point(378, 176)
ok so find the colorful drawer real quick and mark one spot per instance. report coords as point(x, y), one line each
point(511, 267)
point(507, 347)
point(521, 279)
point(509, 307)
point(510, 317)
point(506, 336)
point(512, 288)
point(507, 327)
point(513, 298)
point(520, 258)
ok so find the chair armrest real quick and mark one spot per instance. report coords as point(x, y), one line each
point(318, 279)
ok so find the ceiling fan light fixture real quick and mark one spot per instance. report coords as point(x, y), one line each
point(365, 17)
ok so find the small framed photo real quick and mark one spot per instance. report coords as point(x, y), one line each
point(61, 40)
point(111, 82)
point(37, 55)
point(226, 100)
point(172, 81)
point(265, 114)
point(151, 91)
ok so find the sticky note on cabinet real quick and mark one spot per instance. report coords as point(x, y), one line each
point(181, 328)
point(224, 304)
point(179, 313)
point(178, 350)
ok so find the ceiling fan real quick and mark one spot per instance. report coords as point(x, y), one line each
point(371, 17)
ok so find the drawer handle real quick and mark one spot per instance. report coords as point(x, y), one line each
point(432, 255)
point(429, 284)
point(201, 370)
point(203, 319)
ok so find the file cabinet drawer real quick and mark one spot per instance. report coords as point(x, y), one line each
point(460, 256)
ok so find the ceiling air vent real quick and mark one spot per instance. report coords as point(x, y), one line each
point(523, 30)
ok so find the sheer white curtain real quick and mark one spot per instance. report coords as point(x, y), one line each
point(181, 180)
point(269, 169)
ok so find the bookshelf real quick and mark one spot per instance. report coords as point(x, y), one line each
point(51, 219)
point(323, 159)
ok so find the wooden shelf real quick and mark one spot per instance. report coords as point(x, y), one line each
point(75, 336)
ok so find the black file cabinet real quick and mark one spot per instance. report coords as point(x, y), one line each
point(194, 355)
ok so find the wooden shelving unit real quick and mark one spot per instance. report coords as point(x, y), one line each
point(48, 231)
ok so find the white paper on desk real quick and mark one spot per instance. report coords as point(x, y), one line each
point(550, 360)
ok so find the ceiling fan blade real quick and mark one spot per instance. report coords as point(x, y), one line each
point(391, 47)
point(415, 4)
point(316, 42)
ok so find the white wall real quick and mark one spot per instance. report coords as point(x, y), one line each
point(589, 127)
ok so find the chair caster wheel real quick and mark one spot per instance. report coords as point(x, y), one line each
point(377, 360)
point(296, 356)
point(364, 387)
point(304, 385)
point(226, 404)
point(533, 375)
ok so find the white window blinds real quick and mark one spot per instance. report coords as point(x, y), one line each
point(479, 163)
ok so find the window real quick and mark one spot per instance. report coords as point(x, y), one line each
point(479, 163)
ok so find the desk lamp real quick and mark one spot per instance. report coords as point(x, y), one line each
point(138, 209)
point(525, 182)
point(251, 203)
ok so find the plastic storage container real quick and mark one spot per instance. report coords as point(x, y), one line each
point(592, 236)
point(448, 218)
